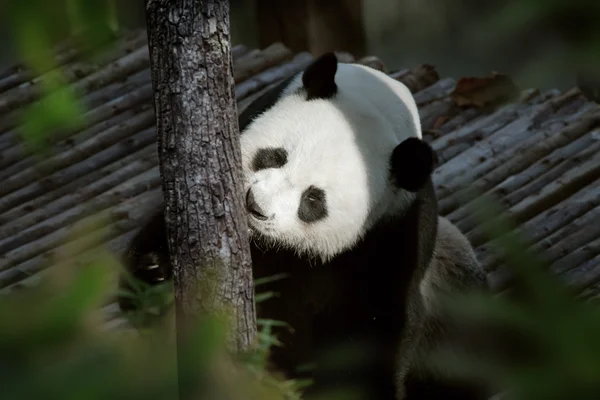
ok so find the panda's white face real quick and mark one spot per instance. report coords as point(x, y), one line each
point(316, 173)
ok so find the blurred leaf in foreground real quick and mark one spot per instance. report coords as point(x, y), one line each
point(94, 24)
point(562, 360)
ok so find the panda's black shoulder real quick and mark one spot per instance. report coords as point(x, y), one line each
point(263, 103)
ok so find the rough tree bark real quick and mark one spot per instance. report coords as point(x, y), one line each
point(200, 162)
point(318, 26)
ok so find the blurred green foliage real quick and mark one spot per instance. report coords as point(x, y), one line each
point(563, 362)
point(37, 29)
point(54, 344)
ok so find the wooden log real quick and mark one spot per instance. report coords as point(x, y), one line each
point(69, 53)
point(250, 98)
point(570, 182)
point(564, 212)
point(91, 146)
point(39, 263)
point(488, 154)
point(67, 175)
point(537, 228)
point(238, 51)
point(90, 241)
point(9, 125)
point(432, 112)
point(456, 135)
point(254, 84)
point(585, 279)
point(446, 126)
point(577, 256)
point(10, 201)
point(141, 96)
point(454, 123)
point(373, 62)
point(70, 144)
point(98, 97)
point(45, 235)
point(113, 72)
point(547, 222)
point(134, 81)
point(109, 177)
point(121, 157)
point(62, 178)
point(571, 244)
point(417, 78)
point(97, 100)
point(545, 170)
point(257, 61)
point(550, 107)
point(534, 197)
point(246, 101)
point(453, 143)
point(490, 259)
point(437, 91)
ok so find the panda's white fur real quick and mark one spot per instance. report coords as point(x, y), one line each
point(350, 135)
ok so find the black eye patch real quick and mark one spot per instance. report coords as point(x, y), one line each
point(274, 157)
point(313, 205)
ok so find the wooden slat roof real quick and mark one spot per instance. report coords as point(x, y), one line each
point(539, 154)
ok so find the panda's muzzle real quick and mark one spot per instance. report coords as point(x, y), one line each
point(253, 208)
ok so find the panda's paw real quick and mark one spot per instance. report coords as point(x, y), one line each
point(143, 282)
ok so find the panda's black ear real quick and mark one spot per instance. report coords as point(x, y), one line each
point(319, 78)
point(412, 163)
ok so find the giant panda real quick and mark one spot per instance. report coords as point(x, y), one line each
point(339, 196)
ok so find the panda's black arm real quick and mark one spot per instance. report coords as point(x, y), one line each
point(146, 258)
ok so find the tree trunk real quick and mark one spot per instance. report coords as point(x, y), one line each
point(200, 163)
point(318, 26)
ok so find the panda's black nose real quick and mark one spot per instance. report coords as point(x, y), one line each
point(253, 207)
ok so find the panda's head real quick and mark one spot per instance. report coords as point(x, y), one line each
point(338, 149)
